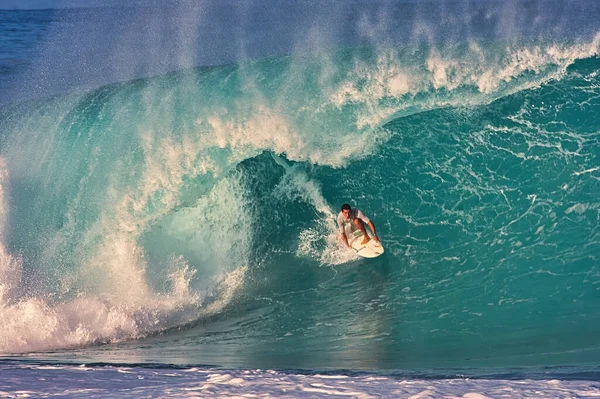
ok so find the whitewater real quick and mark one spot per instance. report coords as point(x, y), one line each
point(168, 196)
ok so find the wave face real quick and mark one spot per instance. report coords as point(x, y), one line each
point(190, 217)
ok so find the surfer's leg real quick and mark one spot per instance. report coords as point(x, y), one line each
point(361, 226)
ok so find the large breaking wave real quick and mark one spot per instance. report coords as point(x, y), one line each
point(157, 203)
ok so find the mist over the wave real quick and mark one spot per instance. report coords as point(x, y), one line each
point(89, 47)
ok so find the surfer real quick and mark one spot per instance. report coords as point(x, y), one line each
point(355, 215)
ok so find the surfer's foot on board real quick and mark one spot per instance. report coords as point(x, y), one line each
point(365, 240)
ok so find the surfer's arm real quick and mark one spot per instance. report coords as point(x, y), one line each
point(372, 227)
point(340, 222)
point(345, 239)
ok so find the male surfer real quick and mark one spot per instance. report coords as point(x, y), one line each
point(354, 215)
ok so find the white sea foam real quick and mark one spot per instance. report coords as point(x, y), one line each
point(582, 208)
point(10, 266)
point(393, 82)
point(115, 300)
point(90, 382)
point(486, 71)
point(267, 129)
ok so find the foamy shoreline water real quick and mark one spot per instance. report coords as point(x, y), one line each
point(121, 382)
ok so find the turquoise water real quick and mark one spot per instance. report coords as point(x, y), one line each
point(188, 218)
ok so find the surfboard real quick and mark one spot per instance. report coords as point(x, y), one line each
point(371, 249)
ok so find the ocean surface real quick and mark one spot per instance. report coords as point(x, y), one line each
point(170, 177)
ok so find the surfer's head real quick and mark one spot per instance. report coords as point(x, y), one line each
point(346, 210)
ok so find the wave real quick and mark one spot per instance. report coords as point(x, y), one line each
point(141, 206)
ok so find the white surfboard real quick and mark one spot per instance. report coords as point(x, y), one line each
point(371, 249)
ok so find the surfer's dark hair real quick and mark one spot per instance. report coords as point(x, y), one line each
point(346, 206)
